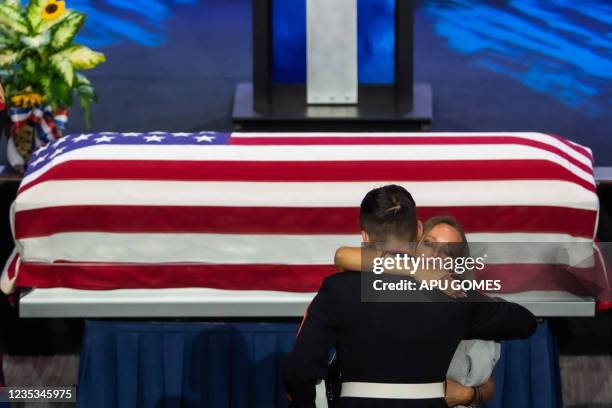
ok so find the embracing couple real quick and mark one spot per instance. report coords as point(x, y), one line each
point(407, 352)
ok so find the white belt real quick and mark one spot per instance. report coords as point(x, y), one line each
point(392, 391)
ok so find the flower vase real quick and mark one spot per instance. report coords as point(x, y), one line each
point(20, 146)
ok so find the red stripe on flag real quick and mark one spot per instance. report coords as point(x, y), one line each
point(290, 278)
point(580, 149)
point(546, 277)
point(12, 266)
point(603, 305)
point(415, 140)
point(309, 171)
point(285, 220)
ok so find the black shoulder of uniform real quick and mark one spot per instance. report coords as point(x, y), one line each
point(500, 320)
point(340, 278)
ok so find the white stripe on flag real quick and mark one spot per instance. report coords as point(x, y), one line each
point(345, 194)
point(249, 249)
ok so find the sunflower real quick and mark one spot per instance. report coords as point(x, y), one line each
point(53, 10)
point(27, 100)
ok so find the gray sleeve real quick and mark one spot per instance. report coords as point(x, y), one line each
point(474, 361)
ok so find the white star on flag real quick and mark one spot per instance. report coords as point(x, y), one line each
point(154, 138)
point(59, 142)
point(81, 138)
point(181, 134)
point(104, 139)
point(131, 134)
point(57, 152)
point(40, 150)
point(208, 139)
point(39, 160)
point(157, 132)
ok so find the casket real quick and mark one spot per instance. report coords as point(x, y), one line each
point(265, 212)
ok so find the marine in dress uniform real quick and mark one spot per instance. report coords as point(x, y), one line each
point(392, 354)
point(399, 350)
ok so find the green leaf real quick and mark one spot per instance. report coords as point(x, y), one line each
point(12, 19)
point(8, 90)
point(66, 29)
point(85, 102)
point(61, 93)
point(82, 80)
point(87, 95)
point(7, 57)
point(46, 88)
point(9, 39)
point(13, 3)
point(84, 88)
point(64, 68)
point(82, 57)
point(36, 40)
point(30, 66)
point(35, 11)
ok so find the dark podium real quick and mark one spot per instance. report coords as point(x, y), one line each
point(332, 96)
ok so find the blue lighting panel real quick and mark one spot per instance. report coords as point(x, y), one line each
point(376, 41)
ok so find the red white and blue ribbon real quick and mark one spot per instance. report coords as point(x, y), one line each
point(49, 124)
point(2, 101)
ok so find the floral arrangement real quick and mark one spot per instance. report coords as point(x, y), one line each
point(39, 67)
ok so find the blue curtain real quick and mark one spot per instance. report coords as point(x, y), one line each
point(527, 374)
point(167, 365)
point(164, 365)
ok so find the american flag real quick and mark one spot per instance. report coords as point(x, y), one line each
point(266, 211)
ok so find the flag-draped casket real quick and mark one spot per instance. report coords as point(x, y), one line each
point(249, 211)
